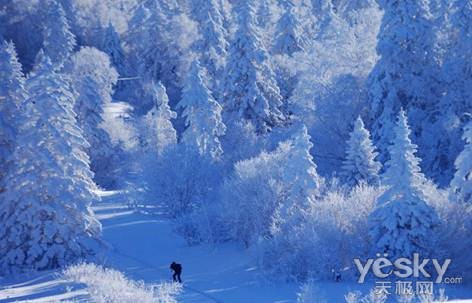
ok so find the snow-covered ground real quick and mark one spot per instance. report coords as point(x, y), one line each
point(143, 246)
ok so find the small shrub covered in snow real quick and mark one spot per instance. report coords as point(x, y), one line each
point(111, 286)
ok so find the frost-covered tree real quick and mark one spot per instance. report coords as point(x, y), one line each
point(158, 130)
point(300, 177)
point(202, 115)
point(403, 222)
point(213, 45)
point(289, 32)
point(331, 89)
point(93, 77)
point(456, 103)
point(461, 184)
point(12, 96)
point(360, 164)
point(157, 140)
point(59, 41)
point(273, 190)
point(146, 25)
point(300, 186)
point(250, 90)
point(111, 45)
point(457, 67)
point(21, 25)
point(405, 75)
point(45, 214)
point(156, 54)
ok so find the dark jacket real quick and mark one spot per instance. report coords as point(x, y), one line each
point(176, 267)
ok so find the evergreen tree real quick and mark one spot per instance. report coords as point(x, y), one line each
point(159, 131)
point(360, 164)
point(156, 53)
point(403, 223)
point(263, 12)
point(212, 46)
point(111, 45)
point(250, 90)
point(45, 214)
point(59, 41)
point(202, 115)
point(146, 25)
point(300, 187)
point(454, 107)
point(93, 77)
point(404, 75)
point(301, 179)
point(12, 96)
point(461, 184)
point(289, 31)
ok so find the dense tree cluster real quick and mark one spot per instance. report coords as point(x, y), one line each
point(296, 128)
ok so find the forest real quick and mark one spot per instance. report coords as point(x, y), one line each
point(308, 133)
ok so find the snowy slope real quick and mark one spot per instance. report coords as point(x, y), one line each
point(143, 246)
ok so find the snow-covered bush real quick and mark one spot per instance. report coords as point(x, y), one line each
point(278, 181)
point(330, 237)
point(241, 142)
point(251, 196)
point(186, 183)
point(111, 286)
point(371, 297)
point(185, 179)
point(380, 297)
point(310, 293)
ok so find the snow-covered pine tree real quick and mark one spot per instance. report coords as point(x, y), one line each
point(12, 95)
point(159, 132)
point(93, 77)
point(213, 45)
point(299, 176)
point(461, 184)
point(59, 42)
point(45, 214)
point(289, 38)
point(300, 187)
point(111, 45)
point(263, 12)
point(404, 75)
point(456, 103)
point(403, 222)
point(202, 115)
point(146, 25)
point(250, 90)
point(360, 164)
point(156, 54)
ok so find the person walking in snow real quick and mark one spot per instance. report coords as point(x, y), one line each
point(177, 268)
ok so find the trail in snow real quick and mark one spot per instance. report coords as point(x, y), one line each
point(143, 246)
point(185, 287)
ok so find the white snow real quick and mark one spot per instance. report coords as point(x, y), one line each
point(143, 246)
